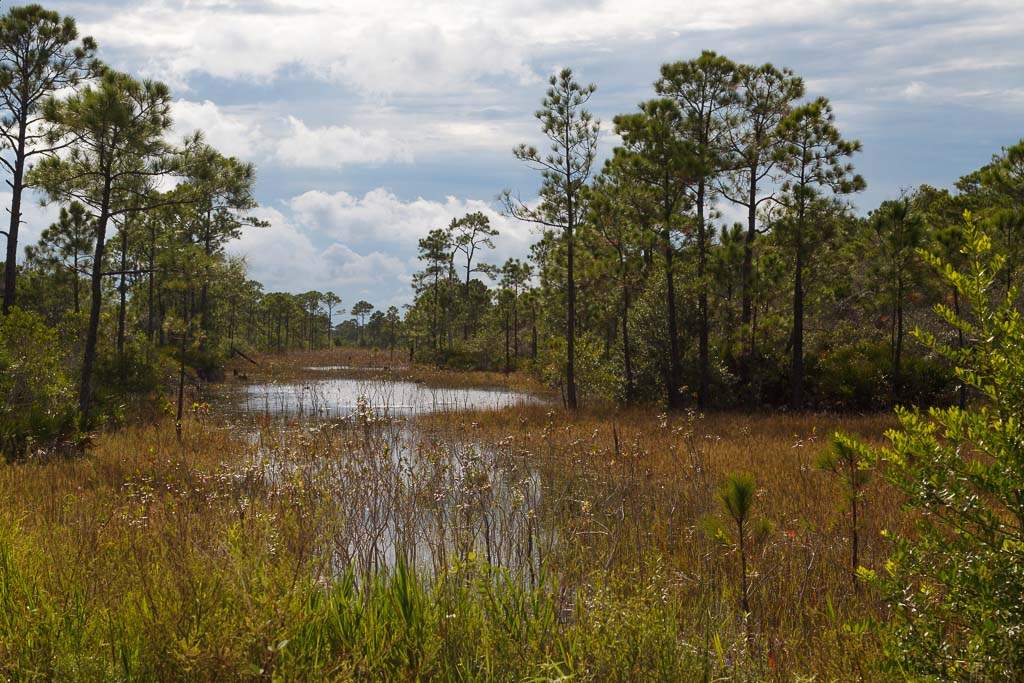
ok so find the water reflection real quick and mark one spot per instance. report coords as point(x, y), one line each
point(343, 397)
point(387, 490)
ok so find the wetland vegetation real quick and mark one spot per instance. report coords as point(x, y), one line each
point(661, 447)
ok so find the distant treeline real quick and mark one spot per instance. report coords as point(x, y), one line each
point(639, 290)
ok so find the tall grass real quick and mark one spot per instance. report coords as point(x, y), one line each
point(522, 544)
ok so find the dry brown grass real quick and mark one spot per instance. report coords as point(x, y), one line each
point(204, 544)
point(625, 487)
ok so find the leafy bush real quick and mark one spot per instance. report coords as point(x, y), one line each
point(597, 378)
point(956, 586)
point(36, 397)
point(859, 376)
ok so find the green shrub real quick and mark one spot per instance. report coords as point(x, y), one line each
point(37, 406)
point(956, 585)
point(598, 379)
point(859, 376)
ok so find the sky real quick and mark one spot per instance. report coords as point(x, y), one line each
point(371, 123)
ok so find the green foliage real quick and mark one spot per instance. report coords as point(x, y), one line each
point(596, 377)
point(956, 586)
point(846, 458)
point(39, 56)
point(849, 460)
point(36, 396)
point(565, 169)
point(248, 618)
point(737, 496)
point(858, 376)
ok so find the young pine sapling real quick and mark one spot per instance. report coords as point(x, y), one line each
point(737, 495)
point(848, 460)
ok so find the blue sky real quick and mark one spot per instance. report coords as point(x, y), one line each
point(373, 122)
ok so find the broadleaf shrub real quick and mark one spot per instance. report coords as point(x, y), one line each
point(37, 407)
point(956, 585)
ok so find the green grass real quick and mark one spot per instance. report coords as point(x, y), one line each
point(154, 560)
point(249, 617)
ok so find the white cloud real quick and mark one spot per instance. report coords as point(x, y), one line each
point(234, 133)
point(365, 46)
point(280, 256)
point(348, 267)
point(381, 217)
point(397, 47)
point(359, 246)
point(337, 146)
point(915, 90)
point(259, 134)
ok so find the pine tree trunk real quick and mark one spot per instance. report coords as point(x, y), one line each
point(897, 351)
point(673, 379)
point(962, 389)
point(515, 326)
point(797, 364)
point(744, 600)
point(181, 365)
point(508, 355)
point(627, 356)
point(151, 276)
point(17, 187)
point(162, 310)
point(76, 285)
point(704, 371)
point(204, 303)
point(533, 335)
point(122, 305)
point(465, 297)
point(747, 277)
point(92, 333)
point(570, 333)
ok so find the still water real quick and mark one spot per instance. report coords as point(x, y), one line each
point(399, 493)
point(342, 397)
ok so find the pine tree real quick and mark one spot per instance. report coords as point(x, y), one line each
point(360, 310)
point(66, 245)
point(766, 96)
point(812, 156)
point(704, 89)
point(565, 171)
point(119, 126)
point(39, 55)
point(469, 235)
point(899, 233)
point(331, 301)
point(618, 251)
point(655, 156)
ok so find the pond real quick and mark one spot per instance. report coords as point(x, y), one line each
point(397, 492)
point(389, 487)
point(330, 398)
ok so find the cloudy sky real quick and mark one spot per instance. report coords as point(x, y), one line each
point(373, 122)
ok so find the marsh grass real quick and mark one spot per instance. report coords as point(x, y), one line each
point(629, 490)
point(521, 544)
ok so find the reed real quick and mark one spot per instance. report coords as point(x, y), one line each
point(521, 544)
